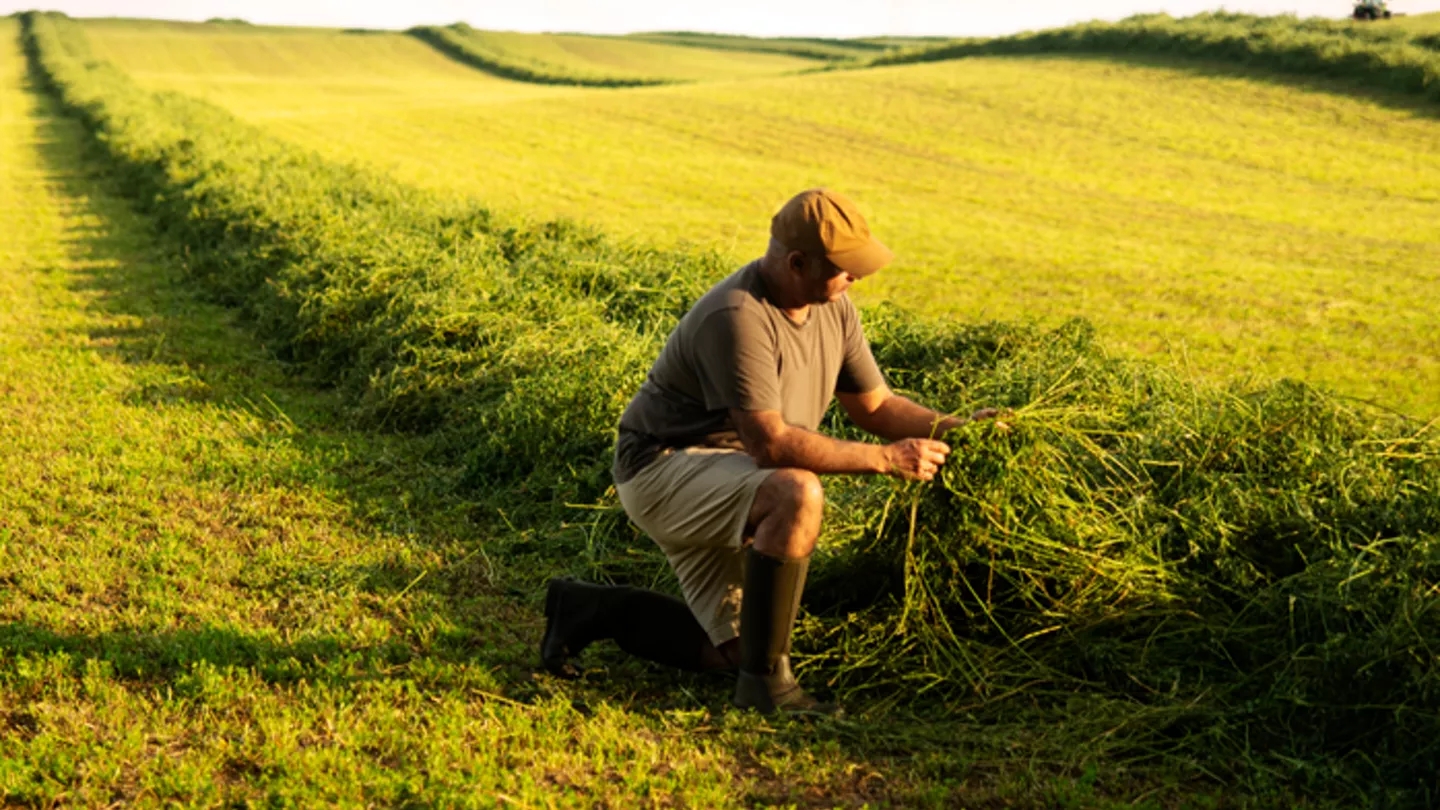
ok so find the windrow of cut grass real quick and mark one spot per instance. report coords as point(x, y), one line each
point(597, 61)
point(1242, 580)
point(830, 50)
point(1248, 574)
point(461, 43)
point(1400, 30)
point(1415, 31)
point(1388, 58)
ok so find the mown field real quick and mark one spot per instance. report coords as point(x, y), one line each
point(1232, 223)
point(296, 445)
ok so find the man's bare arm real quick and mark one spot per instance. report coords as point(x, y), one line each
point(890, 416)
point(773, 443)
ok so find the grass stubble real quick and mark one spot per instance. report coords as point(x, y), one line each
point(1131, 645)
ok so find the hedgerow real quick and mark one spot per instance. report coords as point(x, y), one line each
point(459, 42)
point(1242, 578)
point(1380, 57)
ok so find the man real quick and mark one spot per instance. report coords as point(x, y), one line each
point(718, 459)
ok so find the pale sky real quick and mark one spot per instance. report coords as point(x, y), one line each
point(835, 18)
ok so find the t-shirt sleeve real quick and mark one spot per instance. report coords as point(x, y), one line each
point(859, 373)
point(735, 357)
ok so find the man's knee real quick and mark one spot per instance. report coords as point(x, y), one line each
point(792, 502)
point(795, 490)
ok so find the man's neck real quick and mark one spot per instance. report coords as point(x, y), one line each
point(779, 293)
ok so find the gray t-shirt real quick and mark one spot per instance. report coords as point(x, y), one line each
point(735, 349)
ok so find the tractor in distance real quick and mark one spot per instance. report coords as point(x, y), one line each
point(1371, 10)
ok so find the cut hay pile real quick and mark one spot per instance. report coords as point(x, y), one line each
point(1249, 569)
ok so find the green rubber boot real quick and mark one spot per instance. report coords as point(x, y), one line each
point(576, 614)
point(643, 623)
point(767, 615)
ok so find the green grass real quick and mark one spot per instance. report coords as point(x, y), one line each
point(218, 591)
point(1230, 221)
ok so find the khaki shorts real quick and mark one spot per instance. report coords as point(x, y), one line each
point(694, 502)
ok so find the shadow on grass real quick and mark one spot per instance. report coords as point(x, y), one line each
point(152, 656)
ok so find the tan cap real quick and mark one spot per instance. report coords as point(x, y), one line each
point(823, 222)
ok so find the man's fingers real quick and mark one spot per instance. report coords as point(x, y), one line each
point(922, 458)
point(927, 456)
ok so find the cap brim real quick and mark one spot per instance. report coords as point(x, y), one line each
point(864, 260)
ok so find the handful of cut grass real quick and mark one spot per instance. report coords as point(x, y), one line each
point(1260, 567)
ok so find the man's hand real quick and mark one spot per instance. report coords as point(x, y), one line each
point(916, 459)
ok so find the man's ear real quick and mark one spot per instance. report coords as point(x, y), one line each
point(796, 260)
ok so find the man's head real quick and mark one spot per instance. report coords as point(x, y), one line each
point(822, 236)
